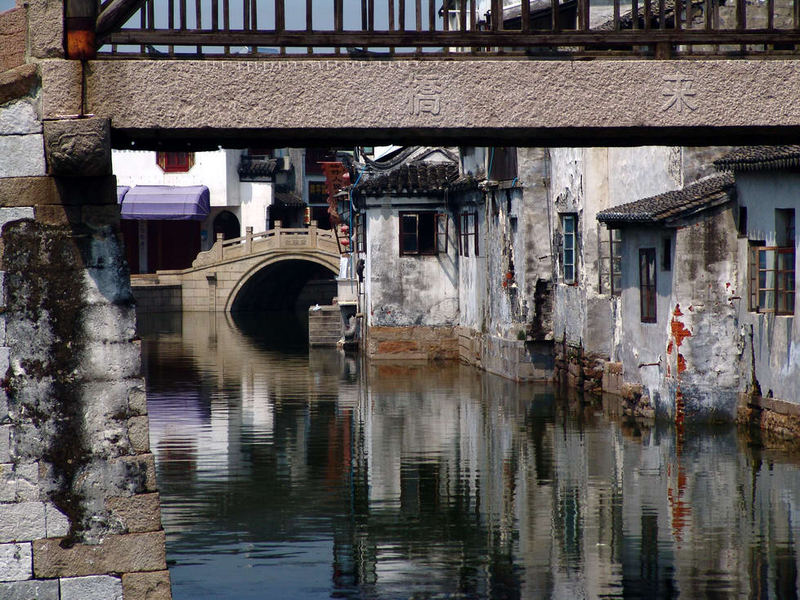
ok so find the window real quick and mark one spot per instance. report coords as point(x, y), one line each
point(741, 226)
point(666, 255)
point(468, 234)
point(423, 233)
point(502, 163)
point(610, 253)
point(772, 279)
point(175, 162)
point(361, 232)
point(568, 252)
point(317, 192)
point(647, 284)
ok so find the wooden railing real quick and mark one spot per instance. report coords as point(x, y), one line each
point(421, 28)
point(277, 239)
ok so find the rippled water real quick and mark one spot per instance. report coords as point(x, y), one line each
point(287, 473)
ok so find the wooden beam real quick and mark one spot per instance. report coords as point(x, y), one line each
point(116, 14)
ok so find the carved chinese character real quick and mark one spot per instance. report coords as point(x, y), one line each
point(678, 92)
point(427, 90)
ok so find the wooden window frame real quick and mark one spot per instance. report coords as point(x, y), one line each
point(572, 245)
point(772, 279)
point(440, 231)
point(175, 162)
point(468, 228)
point(648, 291)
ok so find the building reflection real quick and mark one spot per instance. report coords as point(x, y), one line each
point(428, 479)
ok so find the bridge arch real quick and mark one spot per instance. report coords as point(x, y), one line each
point(284, 281)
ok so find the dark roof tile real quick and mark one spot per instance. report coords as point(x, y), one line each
point(413, 178)
point(701, 194)
point(754, 158)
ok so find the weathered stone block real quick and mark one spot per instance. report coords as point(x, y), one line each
point(137, 399)
point(23, 155)
point(116, 554)
point(8, 215)
point(94, 587)
point(30, 590)
point(147, 586)
point(27, 191)
point(109, 323)
point(61, 88)
point(18, 82)
point(138, 514)
point(27, 482)
point(23, 522)
point(56, 214)
point(45, 29)
point(56, 522)
point(19, 118)
point(139, 471)
point(139, 434)
point(108, 284)
point(100, 216)
point(109, 361)
point(15, 562)
point(13, 24)
point(78, 147)
point(5, 442)
point(88, 191)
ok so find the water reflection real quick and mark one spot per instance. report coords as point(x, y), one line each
point(297, 474)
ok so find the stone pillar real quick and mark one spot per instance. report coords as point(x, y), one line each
point(79, 509)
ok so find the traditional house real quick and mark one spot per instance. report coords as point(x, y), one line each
point(680, 343)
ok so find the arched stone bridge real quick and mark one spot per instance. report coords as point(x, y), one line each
point(261, 270)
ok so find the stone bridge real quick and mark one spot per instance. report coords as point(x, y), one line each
point(262, 270)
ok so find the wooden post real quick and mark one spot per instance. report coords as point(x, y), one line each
point(80, 24)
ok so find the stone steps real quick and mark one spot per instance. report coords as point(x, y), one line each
point(324, 326)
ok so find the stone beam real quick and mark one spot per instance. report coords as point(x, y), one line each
point(167, 103)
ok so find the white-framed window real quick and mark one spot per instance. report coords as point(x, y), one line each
point(423, 233)
point(468, 234)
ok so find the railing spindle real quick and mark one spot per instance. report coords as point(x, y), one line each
point(371, 15)
point(198, 14)
point(143, 25)
point(280, 21)
point(363, 15)
point(390, 12)
point(473, 14)
point(431, 15)
point(215, 15)
point(677, 10)
point(662, 18)
point(171, 22)
point(648, 15)
point(253, 14)
point(796, 13)
point(635, 13)
point(616, 15)
point(309, 22)
point(555, 15)
point(525, 16)
point(245, 14)
point(446, 15)
point(583, 24)
point(497, 14)
point(401, 25)
point(741, 15)
point(770, 14)
point(418, 15)
point(226, 20)
point(708, 16)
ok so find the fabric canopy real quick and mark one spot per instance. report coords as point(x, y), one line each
point(121, 191)
point(166, 202)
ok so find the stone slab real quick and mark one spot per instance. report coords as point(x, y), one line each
point(78, 147)
point(18, 82)
point(13, 29)
point(147, 586)
point(56, 522)
point(19, 118)
point(140, 513)
point(27, 191)
point(45, 28)
point(139, 434)
point(22, 522)
point(23, 155)
point(8, 215)
point(61, 88)
point(15, 562)
point(95, 587)
point(117, 554)
point(528, 102)
point(30, 590)
point(5, 442)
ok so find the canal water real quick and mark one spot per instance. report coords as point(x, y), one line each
point(291, 473)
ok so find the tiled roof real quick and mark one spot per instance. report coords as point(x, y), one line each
point(257, 167)
point(414, 178)
point(288, 199)
point(701, 194)
point(754, 158)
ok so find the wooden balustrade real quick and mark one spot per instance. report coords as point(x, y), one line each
point(417, 28)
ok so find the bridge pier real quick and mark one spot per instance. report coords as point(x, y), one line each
point(79, 508)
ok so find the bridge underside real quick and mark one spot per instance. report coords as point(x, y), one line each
point(162, 104)
point(286, 285)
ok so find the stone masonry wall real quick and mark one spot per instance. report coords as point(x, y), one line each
point(79, 511)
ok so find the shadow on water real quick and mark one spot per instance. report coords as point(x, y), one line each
point(310, 474)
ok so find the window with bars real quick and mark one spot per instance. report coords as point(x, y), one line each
point(569, 227)
point(468, 234)
point(610, 253)
point(772, 279)
point(647, 284)
point(423, 233)
point(175, 162)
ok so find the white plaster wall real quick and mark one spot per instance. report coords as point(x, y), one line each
point(255, 198)
point(408, 290)
point(775, 339)
point(135, 167)
point(472, 278)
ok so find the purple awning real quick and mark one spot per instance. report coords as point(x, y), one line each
point(166, 202)
point(121, 191)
